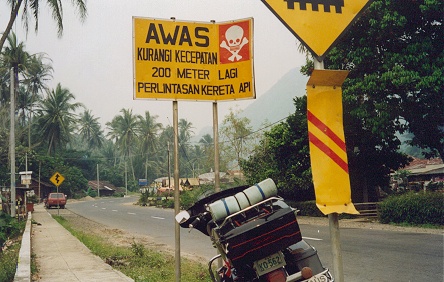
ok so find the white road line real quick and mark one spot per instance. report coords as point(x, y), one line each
point(114, 210)
point(131, 213)
point(314, 239)
point(156, 217)
point(103, 208)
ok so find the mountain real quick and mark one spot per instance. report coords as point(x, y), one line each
point(274, 105)
point(277, 103)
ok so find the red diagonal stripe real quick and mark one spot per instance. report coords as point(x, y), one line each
point(327, 131)
point(324, 148)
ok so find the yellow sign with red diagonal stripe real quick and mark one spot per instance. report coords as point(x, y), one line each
point(328, 153)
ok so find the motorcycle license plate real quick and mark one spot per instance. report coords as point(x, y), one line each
point(269, 263)
point(318, 278)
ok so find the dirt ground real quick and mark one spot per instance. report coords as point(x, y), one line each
point(115, 236)
point(122, 238)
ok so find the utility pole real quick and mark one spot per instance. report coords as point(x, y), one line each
point(12, 142)
point(98, 182)
point(126, 180)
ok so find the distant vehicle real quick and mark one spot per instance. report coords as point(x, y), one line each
point(55, 199)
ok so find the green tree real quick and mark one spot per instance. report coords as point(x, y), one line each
point(56, 118)
point(123, 129)
point(33, 7)
point(37, 74)
point(236, 134)
point(185, 132)
point(283, 155)
point(90, 130)
point(15, 56)
point(395, 57)
point(206, 142)
point(148, 135)
point(166, 142)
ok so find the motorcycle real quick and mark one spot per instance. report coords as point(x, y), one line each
point(257, 236)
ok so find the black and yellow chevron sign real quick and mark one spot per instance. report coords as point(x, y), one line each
point(318, 24)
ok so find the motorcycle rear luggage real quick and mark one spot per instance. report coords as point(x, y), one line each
point(302, 255)
point(261, 237)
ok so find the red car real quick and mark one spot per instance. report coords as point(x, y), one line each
point(55, 199)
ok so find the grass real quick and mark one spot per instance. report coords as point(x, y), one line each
point(11, 231)
point(8, 262)
point(137, 261)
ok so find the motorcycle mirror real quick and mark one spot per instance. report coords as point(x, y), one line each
point(182, 217)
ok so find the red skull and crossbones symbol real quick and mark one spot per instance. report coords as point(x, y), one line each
point(234, 42)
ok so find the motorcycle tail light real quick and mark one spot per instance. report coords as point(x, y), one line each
point(277, 275)
point(306, 272)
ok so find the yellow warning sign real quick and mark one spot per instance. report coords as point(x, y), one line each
point(317, 23)
point(57, 179)
point(180, 60)
point(328, 153)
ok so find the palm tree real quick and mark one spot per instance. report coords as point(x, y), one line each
point(185, 131)
point(33, 7)
point(36, 75)
point(90, 131)
point(23, 105)
point(148, 134)
point(123, 129)
point(207, 144)
point(56, 118)
point(14, 56)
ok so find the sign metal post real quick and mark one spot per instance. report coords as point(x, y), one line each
point(57, 179)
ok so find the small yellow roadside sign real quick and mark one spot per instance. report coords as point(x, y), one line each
point(317, 23)
point(57, 179)
point(328, 154)
point(181, 60)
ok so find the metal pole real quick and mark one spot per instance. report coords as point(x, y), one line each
point(336, 246)
point(98, 182)
point(25, 200)
point(333, 222)
point(126, 180)
point(58, 202)
point(216, 148)
point(40, 196)
point(12, 142)
point(176, 187)
point(169, 171)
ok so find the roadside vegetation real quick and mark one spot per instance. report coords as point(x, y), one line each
point(10, 235)
point(136, 261)
point(421, 209)
point(413, 208)
point(410, 207)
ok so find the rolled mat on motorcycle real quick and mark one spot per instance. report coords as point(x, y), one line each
point(257, 236)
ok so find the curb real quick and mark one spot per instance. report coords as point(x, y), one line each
point(23, 271)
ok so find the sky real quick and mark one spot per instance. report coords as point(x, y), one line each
point(94, 59)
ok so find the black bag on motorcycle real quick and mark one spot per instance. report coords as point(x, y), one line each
point(261, 237)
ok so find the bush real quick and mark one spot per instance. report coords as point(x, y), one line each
point(188, 198)
point(143, 199)
point(413, 208)
point(307, 208)
point(9, 228)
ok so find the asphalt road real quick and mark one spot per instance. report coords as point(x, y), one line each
point(368, 255)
